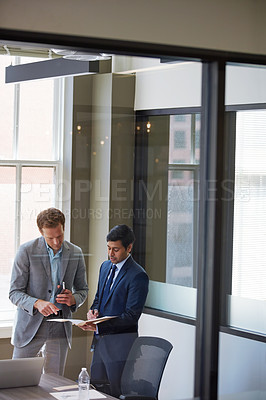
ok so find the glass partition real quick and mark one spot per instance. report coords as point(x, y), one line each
point(242, 370)
point(170, 192)
point(136, 159)
point(30, 173)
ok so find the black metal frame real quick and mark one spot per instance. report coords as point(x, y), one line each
point(210, 222)
point(169, 52)
point(211, 213)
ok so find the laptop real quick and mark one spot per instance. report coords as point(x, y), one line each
point(20, 372)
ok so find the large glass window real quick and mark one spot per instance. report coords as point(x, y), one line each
point(7, 114)
point(171, 200)
point(182, 201)
point(37, 191)
point(249, 273)
point(7, 231)
point(242, 369)
point(36, 119)
point(29, 165)
point(246, 98)
point(167, 100)
point(248, 298)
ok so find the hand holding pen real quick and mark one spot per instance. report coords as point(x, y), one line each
point(92, 314)
point(66, 296)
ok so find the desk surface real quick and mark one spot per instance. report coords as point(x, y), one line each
point(47, 385)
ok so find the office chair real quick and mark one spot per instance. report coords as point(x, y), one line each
point(144, 368)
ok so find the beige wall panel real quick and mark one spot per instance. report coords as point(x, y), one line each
point(233, 25)
point(6, 349)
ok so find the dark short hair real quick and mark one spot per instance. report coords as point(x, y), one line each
point(123, 233)
point(50, 218)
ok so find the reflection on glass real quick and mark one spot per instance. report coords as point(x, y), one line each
point(242, 359)
point(37, 194)
point(184, 140)
point(180, 229)
point(249, 273)
point(7, 233)
point(249, 251)
point(6, 112)
point(36, 120)
point(172, 201)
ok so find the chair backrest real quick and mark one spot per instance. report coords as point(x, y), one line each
point(144, 366)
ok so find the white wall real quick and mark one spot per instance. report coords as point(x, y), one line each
point(234, 25)
point(179, 85)
point(245, 85)
point(178, 379)
point(174, 85)
point(242, 364)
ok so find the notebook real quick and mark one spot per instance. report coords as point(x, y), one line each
point(20, 372)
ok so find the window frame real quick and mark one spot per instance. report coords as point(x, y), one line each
point(56, 162)
point(228, 211)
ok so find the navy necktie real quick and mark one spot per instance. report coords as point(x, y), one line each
point(107, 287)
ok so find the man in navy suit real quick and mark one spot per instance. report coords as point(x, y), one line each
point(122, 291)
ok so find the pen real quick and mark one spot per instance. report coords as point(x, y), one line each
point(64, 285)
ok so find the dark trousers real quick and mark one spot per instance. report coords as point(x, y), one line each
point(109, 356)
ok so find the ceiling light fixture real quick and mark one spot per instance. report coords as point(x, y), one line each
point(81, 55)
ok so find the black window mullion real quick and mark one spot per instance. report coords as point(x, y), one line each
point(210, 222)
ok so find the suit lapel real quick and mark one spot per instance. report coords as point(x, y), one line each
point(44, 257)
point(103, 279)
point(120, 276)
point(65, 260)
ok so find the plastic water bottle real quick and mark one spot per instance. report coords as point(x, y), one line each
point(84, 384)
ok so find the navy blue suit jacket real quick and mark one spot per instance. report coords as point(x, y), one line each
point(126, 299)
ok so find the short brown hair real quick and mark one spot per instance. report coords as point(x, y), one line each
point(50, 218)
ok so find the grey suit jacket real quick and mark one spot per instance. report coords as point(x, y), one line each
point(31, 280)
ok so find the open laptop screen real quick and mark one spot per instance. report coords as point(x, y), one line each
point(20, 372)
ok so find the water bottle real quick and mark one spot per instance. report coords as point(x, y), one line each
point(84, 384)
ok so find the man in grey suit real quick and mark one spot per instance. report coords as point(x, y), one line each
point(48, 281)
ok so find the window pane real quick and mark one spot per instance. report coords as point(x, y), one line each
point(6, 112)
point(7, 232)
point(180, 139)
point(180, 229)
point(242, 359)
point(171, 194)
point(197, 138)
point(37, 194)
point(249, 273)
point(184, 140)
point(36, 120)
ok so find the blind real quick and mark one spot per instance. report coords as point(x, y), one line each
point(249, 237)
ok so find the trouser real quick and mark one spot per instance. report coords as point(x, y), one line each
point(51, 341)
point(109, 356)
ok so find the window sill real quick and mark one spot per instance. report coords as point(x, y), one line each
point(5, 329)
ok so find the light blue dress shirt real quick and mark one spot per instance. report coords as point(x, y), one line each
point(55, 262)
point(118, 269)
